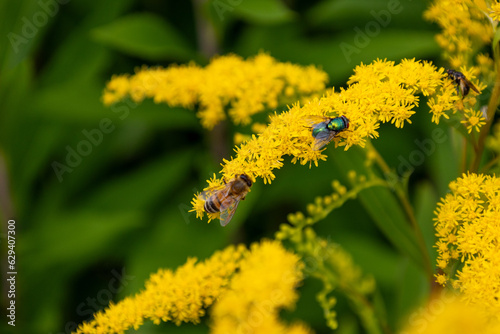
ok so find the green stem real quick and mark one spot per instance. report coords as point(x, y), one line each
point(362, 305)
point(405, 202)
point(492, 107)
point(463, 163)
point(490, 164)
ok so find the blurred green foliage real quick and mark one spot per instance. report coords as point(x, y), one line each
point(122, 207)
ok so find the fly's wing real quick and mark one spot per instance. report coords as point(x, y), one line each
point(312, 120)
point(464, 88)
point(323, 138)
point(471, 85)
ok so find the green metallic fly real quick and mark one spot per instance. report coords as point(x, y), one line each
point(324, 129)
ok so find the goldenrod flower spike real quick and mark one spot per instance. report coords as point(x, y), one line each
point(465, 26)
point(468, 229)
point(180, 296)
point(264, 285)
point(448, 313)
point(245, 87)
point(377, 93)
point(494, 11)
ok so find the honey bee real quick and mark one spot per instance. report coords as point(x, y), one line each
point(324, 129)
point(226, 200)
point(463, 85)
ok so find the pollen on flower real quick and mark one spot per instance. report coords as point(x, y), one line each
point(473, 120)
point(465, 28)
point(266, 272)
point(494, 11)
point(381, 92)
point(243, 87)
point(468, 229)
point(454, 316)
point(180, 296)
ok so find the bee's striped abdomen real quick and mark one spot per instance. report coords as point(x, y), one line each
point(210, 206)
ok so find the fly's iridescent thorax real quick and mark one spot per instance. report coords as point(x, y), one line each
point(338, 124)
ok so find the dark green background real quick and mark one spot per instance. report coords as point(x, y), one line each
point(124, 206)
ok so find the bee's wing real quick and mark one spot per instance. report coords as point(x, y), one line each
point(312, 120)
point(227, 209)
point(323, 138)
point(471, 85)
point(209, 192)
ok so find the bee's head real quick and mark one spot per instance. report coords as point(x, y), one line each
point(246, 178)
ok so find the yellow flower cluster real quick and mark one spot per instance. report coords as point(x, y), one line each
point(180, 296)
point(465, 26)
point(494, 11)
point(248, 288)
point(449, 314)
point(377, 93)
point(446, 100)
point(245, 87)
point(468, 229)
point(265, 284)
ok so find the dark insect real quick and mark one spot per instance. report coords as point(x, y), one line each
point(324, 129)
point(226, 200)
point(463, 85)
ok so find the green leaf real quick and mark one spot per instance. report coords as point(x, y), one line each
point(384, 208)
point(74, 238)
point(150, 182)
point(75, 56)
point(263, 11)
point(425, 204)
point(496, 40)
point(412, 288)
point(445, 160)
point(144, 35)
point(347, 13)
point(339, 54)
point(372, 254)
